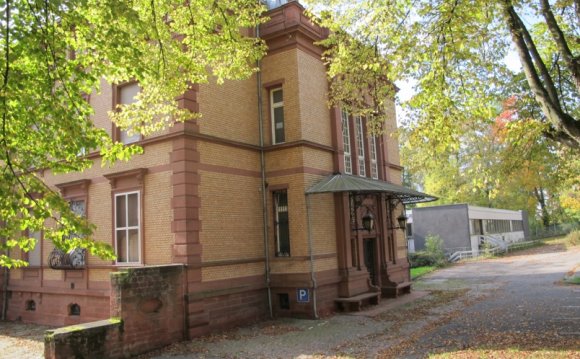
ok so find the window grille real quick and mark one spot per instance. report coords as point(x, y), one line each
point(281, 223)
point(360, 146)
point(346, 143)
point(374, 164)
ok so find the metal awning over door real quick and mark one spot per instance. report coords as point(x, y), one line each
point(355, 184)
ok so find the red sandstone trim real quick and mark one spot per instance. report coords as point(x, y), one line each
point(298, 170)
point(228, 170)
point(60, 291)
point(303, 258)
point(225, 142)
point(272, 84)
point(134, 177)
point(300, 143)
point(229, 262)
point(290, 28)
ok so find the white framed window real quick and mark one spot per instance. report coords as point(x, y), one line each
point(281, 223)
point(374, 164)
point(34, 255)
point(128, 227)
point(346, 143)
point(277, 115)
point(360, 144)
point(126, 96)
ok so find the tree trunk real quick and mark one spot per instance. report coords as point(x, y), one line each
point(565, 128)
point(539, 193)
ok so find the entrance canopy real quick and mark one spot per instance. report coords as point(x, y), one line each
point(356, 184)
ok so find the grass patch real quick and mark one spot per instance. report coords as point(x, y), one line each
point(419, 271)
point(506, 353)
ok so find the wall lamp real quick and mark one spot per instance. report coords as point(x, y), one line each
point(402, 220)
point(368, 221)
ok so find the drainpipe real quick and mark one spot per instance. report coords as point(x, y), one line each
point(263, 175)
point(5, 289)
point(311, 253)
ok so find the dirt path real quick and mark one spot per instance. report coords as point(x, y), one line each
point(21, 341)
point(476, 309)
point(520, 303)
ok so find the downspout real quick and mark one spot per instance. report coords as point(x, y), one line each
point(5, 289)
point(311, 253)
point(263, 176)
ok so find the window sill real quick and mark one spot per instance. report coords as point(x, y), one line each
point(128, 264)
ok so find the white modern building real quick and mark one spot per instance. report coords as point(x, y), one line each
point(465, 227)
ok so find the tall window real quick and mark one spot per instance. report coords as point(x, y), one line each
point(374, 164)
point(360, 146)
point(128, 227)
point(277, 115)
point(281, 225)
point(34, 256)
point(346, 142)
point(127, 95)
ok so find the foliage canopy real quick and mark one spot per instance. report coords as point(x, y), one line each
point(455, 52)
point(455, 141)
point(53, 54)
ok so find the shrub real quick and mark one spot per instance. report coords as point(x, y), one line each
point(421, 259)
point(434, 246)
point(433, 255)
point(573, 238)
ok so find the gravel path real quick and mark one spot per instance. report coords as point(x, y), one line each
point(517, 301)
point(528, 307)
point(21, 341)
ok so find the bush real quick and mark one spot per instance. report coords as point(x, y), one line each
point(421, 259)
point(573, 238)
point(433, 255)
point(434, 246)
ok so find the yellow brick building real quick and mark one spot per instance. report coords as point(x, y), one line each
point(276, 204)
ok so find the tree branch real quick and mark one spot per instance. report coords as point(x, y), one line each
point(573, 63)
point(161, 48)
point(537, 59)
point(561, 121)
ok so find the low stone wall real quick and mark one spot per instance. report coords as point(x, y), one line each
point(147, 311)
point(100, 339)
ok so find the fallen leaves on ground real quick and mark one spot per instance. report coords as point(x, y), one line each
point(507, 354)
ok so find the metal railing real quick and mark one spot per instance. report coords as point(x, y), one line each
point(553, 230)
point(73, 259)
point(488, 252)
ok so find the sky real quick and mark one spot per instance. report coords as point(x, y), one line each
point(406, 87)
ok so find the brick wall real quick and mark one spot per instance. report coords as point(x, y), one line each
point(150, 302)
point(313, 87)
point(225, 303)
point(147, 312)
point(54, 308)
point(100, 339)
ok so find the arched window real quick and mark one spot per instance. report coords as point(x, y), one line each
point(74, 309)
point(30, 305)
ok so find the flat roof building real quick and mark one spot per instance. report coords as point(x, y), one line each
point(465, 227)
